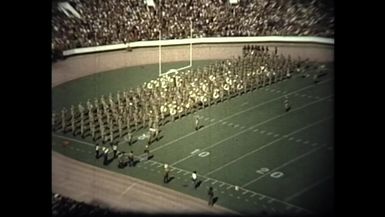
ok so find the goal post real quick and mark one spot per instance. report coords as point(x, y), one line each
point(161, 73)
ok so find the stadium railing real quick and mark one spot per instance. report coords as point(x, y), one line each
point(213, 40)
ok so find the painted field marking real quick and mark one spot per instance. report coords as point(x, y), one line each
point(186, 172)
point(307, 188)
point(266, 145)
point(128, 188)
point(281, 166)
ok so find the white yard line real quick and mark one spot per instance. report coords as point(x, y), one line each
point(307, 188)
point(233, 115)
point(264, 146)
point(188, 172)
point(283, 165)
point(128, 188)
point(245, 130)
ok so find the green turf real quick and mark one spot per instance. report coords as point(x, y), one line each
point(95, 85)
point(240, 135)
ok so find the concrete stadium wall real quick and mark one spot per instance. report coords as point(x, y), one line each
point(79, 66)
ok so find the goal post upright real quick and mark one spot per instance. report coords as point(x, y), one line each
point(160, 47)
point(190, 59)
point(191, 31)
point(160, 38)
point(160, 53)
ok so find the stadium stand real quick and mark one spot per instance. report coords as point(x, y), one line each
point(64, 206)
point(122, 21)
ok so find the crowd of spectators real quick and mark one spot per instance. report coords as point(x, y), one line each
point(120, 21)
point(64, 206)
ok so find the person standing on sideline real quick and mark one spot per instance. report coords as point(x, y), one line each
point(286, 103)
point(97, 150)
point(115, 148)
point(194, 179)
point(196, 123)
point(155, 130)
point(315, 78)
point(131, 158)
point(166, 173)
point(211, 196)
point(105, 156)
point(147, 151)
point(150, 136)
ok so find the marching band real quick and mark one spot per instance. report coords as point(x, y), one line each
point(172, 96)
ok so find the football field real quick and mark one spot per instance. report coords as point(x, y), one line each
point(257, 157)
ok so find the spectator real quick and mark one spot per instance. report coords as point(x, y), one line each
point(121, 21)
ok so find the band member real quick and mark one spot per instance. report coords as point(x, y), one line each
point(82, 125)
point(63, 119)
point(129, 135)
point(120, 127)
point(73, 127)
point(53, 121)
